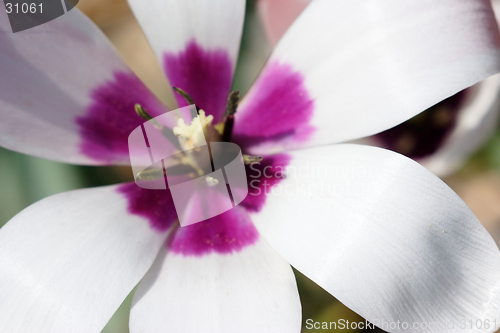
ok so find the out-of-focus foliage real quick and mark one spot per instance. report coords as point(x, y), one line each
point(25, 180)
point(489, 156)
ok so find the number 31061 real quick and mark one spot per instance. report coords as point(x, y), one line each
point(23, 8)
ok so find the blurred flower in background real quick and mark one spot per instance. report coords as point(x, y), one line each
point(117, 22)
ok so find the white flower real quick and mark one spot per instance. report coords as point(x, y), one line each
point(373, 228)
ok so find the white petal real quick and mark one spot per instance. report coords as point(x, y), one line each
point(249, 291)
point(369, 66)
point(385, 236)
point(476, 122)
point(202, 33)
point(170, 25)
point(69, 261)
point(50, 74)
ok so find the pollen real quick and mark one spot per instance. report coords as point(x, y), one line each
point(192, 136)
point(211, 181)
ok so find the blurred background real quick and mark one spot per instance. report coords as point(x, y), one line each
point(25, 180)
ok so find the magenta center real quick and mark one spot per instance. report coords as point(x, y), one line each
point(279, 108)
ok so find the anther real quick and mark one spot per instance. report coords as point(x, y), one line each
point(151, 174)
point(249, 159)
point(146, 116)
point(178, 169)
point(232, 105)
point(186, 96)
point(141, 112)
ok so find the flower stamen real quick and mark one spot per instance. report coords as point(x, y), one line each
point(249, 159)
point(232, 105)
point(193, 136)
point(186, 96)
point(146, 116)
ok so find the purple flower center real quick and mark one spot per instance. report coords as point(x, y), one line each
point(206, 76)
point(110, 118)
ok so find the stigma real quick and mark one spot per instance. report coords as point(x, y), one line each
point(192, 136)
